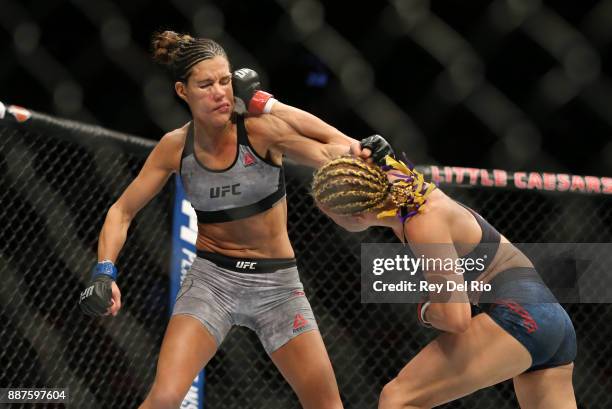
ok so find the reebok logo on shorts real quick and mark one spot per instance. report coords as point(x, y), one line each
point(299, 322)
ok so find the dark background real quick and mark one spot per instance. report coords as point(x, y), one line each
point(512, 84)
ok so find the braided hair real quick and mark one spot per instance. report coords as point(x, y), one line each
point(348, 185)
point(181, 52)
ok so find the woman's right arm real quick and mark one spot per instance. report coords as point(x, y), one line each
point(161, 163)
point(102, 295)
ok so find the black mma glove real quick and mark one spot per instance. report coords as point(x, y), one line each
point(379, 147)
point(248, 94)
point(96, 298)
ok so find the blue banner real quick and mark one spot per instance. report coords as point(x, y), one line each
point(184, 234)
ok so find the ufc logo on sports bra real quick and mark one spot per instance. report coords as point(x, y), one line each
point(246, 264)
point(221, 191)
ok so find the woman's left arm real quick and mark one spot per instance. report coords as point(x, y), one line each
point(247, 90)
point(310, 126)
point(373, 148)
point(253, 100)
point(281, 138)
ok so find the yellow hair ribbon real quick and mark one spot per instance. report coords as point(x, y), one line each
point(411, 197)
point(386, 213)
point(398, 165)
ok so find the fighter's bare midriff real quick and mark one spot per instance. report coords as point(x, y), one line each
point(263, 235)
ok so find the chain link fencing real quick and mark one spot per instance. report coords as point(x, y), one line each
point(57, 180)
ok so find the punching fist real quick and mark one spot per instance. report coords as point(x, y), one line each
point(101, 296)
point(379, 148)
point(248, 94)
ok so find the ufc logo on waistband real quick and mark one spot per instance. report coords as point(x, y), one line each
point(246, 264)
point(224, 190)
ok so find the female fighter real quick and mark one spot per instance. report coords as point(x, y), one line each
point(245, 271)
point(523, 334)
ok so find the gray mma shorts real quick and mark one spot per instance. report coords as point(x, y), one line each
point(264, 295)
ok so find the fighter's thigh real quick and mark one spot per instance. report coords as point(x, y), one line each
point(304, 363)
point(199, 324)
point(281, 314)
point(549, 388)
point(455, 365)
point(186, 349)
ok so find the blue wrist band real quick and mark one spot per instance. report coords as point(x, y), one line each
point(105, 268)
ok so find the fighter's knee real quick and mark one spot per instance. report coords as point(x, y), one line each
point(396, 395)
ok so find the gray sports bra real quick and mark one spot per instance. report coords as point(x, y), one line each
point(250, 185)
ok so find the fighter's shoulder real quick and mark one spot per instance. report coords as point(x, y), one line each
point(167, 152)
point(434, 219)
point(174, 139)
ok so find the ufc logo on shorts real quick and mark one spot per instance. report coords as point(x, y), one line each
point(86, 293)
point(246, 264)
